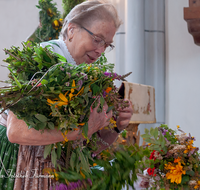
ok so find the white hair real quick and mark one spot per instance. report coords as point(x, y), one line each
point(84, 14)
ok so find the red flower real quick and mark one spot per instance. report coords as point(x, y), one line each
point(152, 156)
point(151, 171)
point(39, 84)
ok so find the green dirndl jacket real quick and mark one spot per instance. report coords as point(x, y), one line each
point(8, 160)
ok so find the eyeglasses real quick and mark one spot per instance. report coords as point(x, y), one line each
point(99, 42)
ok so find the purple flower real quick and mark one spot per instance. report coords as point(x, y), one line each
point(80, 83)
point(85, 77)
point(89, 181)
point(67, 83)
point(164, 134)
point(107, 74)
point(61, 187)
point(61, 68)
point(113, 75)
point(68, 74)
point(104, 93)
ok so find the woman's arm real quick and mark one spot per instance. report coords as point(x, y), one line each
point(18, 132)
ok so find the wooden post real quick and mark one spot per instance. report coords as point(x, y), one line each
point(133, 135)
point(192, 17)
point(194, 3)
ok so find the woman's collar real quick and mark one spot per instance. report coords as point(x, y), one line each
point(66, 52)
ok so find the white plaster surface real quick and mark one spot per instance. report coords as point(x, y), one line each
point(182, 72)
point(19, 19)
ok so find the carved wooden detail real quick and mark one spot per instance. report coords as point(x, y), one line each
point(192, 17)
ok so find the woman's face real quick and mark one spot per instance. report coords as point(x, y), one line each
point(82, 47)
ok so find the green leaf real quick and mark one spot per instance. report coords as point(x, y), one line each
point(44, 82)
point(61, 58)
point(87, 88)
point(53, 157)
point(47, 150)
point(155, 134)
point(109, 108)
point(156, 147)
point(58, 150)
point(41, 126)
point(41, 117)
point(54, 43)
point(152, 131)
point(95, 89)
point(17, 82)
point(73, 160)
point(146, 131)
point(102, 101)
point(145, 136)
point(191, 173)
point(50, 125)
point(185, 179)
point(84, 163)
point(85, 129)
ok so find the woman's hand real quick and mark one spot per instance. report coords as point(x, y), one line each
point(124, 116)
point(107, 136)
point(97, 120)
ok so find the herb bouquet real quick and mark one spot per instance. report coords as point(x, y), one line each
point(48, 93)
point(173, 162)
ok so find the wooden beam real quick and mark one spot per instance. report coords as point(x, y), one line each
point(194, 3)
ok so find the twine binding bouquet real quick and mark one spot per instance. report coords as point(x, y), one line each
point(173, 162)
point(48, 93)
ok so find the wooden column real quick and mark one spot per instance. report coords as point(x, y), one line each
point(192, 17)
point(133, 135)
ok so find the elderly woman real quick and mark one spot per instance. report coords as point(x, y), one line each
point(87, 32)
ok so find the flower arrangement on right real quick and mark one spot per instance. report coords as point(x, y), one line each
point(173, 162)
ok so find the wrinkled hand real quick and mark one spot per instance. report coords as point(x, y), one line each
point(97, 120)
point(124, 117)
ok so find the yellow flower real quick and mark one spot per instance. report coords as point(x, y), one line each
point(50, 101)
point(88, 68)
point(82, 173)
point(94, 164)
point(189, 146)
point(108, 89)
point(64, 100)
point(73, 85)
point(56, 175)
point(70, 96)
point(65, 136)
point(81, 124)
point(175, 172)
point(176, 160)
point(47, 170)
point(178, 126)
point(56, 23)
point(59, 103)
point(49, 12)
point(113, 122)
point(80, 91)
point(198, 185)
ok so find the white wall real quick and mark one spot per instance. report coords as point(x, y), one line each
point(182, 72)
point(19, 19)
